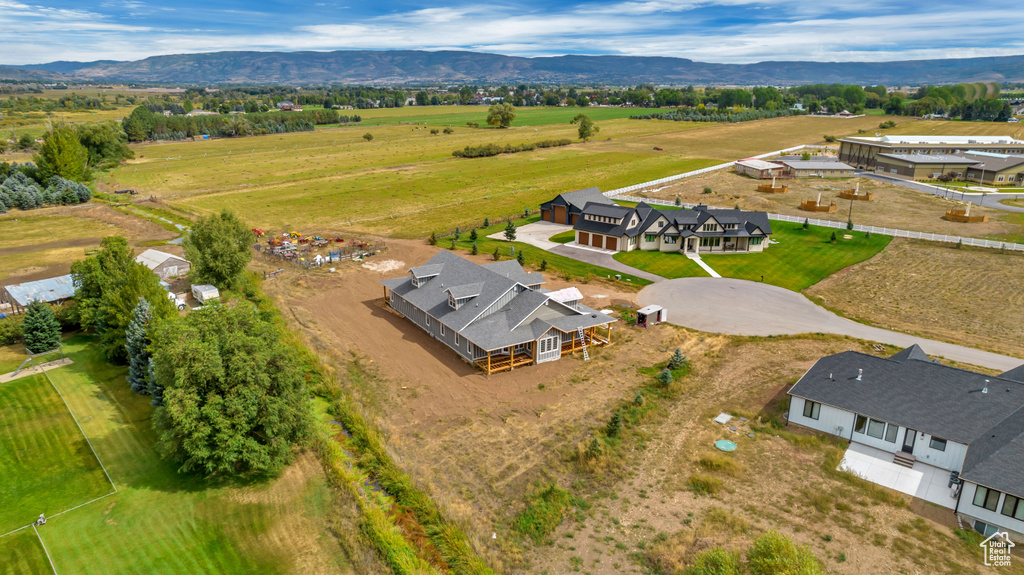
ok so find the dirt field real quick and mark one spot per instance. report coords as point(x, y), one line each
point(481, 444)
point(971, 297)
point(891, 207)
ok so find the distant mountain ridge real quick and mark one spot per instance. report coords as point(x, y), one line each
point(381, 67)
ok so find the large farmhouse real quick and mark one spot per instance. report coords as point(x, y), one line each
point(964, 430)
point(495, 315)
point(566, 208)
point(698, 230)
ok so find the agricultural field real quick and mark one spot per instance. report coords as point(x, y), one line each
point(458, 115)
point(161, 521)
point(919, 288)
point(796, 259)
point(891, 206)
point(405, 182)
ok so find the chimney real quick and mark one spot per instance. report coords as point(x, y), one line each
point(860, 373)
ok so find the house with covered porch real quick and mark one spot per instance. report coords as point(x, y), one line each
point(947, 435)
point(496, 316)
point(700, 230)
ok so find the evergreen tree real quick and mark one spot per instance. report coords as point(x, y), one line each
point(458, 232)
point(40, 330)
point(807, 223)
point(475, 249)
point(137, 342)
point(497, 254)
point(154, 389)
point(521, 258)
point(677, 360)
point(510, 231)
point(432, 240)
point(473, 235)
point(638, 399)
point(614, 425)
point(849, 224)
point(679, 202)
point(487, 222)
point(833, 239)
point(453, 244)
point(665, 377)
point(543, 265)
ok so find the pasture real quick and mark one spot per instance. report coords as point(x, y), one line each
point(161, 521)
point(405, 182)
point(456, 116)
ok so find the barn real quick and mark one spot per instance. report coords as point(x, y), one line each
point(163, 264)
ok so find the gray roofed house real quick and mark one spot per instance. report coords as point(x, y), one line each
point(565, 208)
point(698, 230)
point(496, 316)
point(925, 415)
point(50, 290)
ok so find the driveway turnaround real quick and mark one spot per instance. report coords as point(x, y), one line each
point(744, 307)
point(535, 234)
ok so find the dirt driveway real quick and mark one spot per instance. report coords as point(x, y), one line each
point(742, 307)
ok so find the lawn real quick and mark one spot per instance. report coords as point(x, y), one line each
point(161, 521)
point(459, 115)
point(799, 259)
point(22, 553)
point(564, 237)
point(47, 464)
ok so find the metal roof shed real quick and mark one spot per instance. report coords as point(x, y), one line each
point(50, 290)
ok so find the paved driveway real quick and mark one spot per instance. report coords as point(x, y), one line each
point(744, 307)
point(536, 234)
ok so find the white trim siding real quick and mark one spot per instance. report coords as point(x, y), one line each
point(971, 512)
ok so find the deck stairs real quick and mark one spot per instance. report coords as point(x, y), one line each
point(583, 342)
point(904, 459)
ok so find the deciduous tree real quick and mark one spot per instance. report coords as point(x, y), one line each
point(501, 115)
point(219, 247)
point(585, 127)
point(62, 154)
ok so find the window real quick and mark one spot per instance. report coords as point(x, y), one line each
point(442, 328)
point(999, 179)
point(428, 319)
point(1013, 507)
point(661, 225)
point(709, 227)
point(986, 498)
point(890, 432)
point(937, 444)
point(755, 241)
point(876, 429)
point(811, 409)
point(670, 239)
point(456, 338)
point(710, 242)
point(650, 238)
point(861, 424)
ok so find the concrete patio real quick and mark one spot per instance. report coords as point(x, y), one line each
point(923, 481)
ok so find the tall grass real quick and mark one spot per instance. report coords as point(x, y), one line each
point(544, 512)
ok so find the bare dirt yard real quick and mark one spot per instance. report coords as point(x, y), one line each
point(891, 207)
point(969, 296)
point(481, 446)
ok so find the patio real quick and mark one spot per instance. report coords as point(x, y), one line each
point(923, 481)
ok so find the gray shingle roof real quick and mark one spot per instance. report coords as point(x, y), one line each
point(1015, 374)
point(997, 459)
point(425, 271)
point(930, 397)
point(492, 281)
point(464, 291)
point(580, 198)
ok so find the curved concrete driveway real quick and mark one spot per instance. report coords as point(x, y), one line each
point(744, 307)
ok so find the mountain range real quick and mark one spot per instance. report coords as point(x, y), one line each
point(396, 67)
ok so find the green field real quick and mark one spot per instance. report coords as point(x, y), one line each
point(22, 554)
point(161, 521)
point(458, 115)
point(800, 259)
point(47, 464)
point(405, 182)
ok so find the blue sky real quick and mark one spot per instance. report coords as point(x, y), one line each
point(734, 31)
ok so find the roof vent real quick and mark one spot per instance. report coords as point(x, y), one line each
point(860, 372)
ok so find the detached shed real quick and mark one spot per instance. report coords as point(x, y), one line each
point(163, 264)
point(205, 293)
point(650, 315)
point(50, 290)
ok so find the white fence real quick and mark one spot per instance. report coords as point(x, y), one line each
point(859, 228)
point(636, 187)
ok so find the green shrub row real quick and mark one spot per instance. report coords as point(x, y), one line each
point(495, 149)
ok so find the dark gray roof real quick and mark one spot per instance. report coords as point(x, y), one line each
point(577, 199)
point(996, 162)
point(747, 222)
point(997, 459)
point(915, 393)
point(613, 211)
point(491, 281)
point(425, 271)
point(1015, 374)
point(912, 352)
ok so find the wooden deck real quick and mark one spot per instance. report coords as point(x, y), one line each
point(504, 362)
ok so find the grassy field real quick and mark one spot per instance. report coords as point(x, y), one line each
point(458, 115)
point(164, 522)
point(406, 183)
point(799, 259)
point(47, 464)
point(23, 554)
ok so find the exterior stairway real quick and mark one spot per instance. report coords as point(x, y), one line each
point(905, 459)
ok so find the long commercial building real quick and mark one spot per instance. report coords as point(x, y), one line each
point(862, 152)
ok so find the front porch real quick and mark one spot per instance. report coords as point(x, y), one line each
point(497, 361)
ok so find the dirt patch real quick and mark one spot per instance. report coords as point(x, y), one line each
point(891, 207)
point(383, 266)
point(75, 243)
point(972, 297)
point(133, 228)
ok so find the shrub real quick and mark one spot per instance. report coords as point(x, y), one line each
point(720, 463)
point(10, 329)
point(708, 190)
point(665, 377)
point(614, 425)
point(705, 484)
point(773, 554)
point(368, 137)
point(497, 254)
point(521, 258)
point(475, 249)
point(434, 131)
point(487, 150)
point(448, 130)
point(432, 240)
point(829, 139)
point(677, 360)
point(638, 399)
point(544, 512)
point(715, 562)
point(833, 238)
point(543, 265)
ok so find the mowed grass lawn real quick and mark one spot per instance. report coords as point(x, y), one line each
point(161, 521)
point(45, 462)
point(799, 259)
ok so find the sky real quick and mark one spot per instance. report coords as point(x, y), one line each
point(727, 31)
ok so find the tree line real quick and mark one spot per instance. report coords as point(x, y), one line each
point(142, 124)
